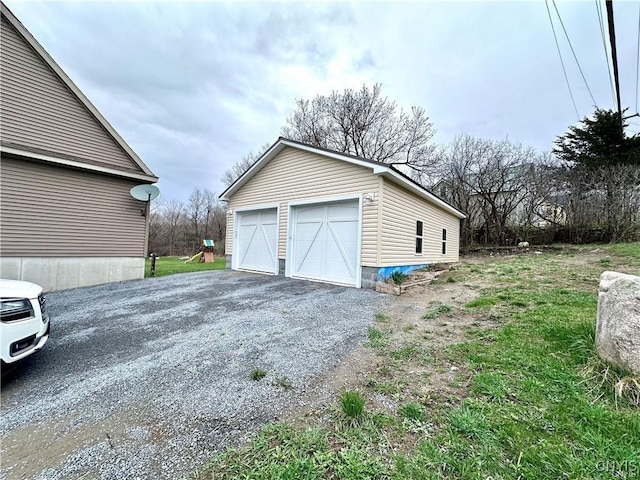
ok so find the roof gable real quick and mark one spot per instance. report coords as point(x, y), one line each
point(377, 168)
point(44, 113)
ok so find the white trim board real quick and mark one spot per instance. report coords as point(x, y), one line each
point(79, 165)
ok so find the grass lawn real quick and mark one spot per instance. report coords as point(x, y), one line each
point(527, 397)
point(171, 265)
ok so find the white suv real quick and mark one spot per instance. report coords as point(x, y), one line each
point(24, 321)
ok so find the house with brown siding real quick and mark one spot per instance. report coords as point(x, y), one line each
point(311, 213)
point(67, 218)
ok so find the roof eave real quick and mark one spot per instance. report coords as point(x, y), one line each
point(376, 167)
point(421, 192)
point(271, 152)
point(63, 162)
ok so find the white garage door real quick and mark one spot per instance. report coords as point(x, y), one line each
point(257, 235)
point(325, 242)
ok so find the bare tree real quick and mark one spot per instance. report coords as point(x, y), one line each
point(209, 200)
point(491, 182)
point(156, 224)
point(174, 218)
point(603, 203)
point(194, 211)
point(366, 124)
point(177, 229)
point(242, 165)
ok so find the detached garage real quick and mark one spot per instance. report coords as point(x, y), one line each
point(307, 212)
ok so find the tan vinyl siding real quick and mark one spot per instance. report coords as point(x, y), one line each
point(400, 211)
point(294, 175)
point(229, 234)
point(50, 211)
point(40, 114)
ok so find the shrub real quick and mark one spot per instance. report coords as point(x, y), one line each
point(352, 404)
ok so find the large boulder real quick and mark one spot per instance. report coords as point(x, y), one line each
point(618, 326)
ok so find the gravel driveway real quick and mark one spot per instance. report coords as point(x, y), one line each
point(150, 378)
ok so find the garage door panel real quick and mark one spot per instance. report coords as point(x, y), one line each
point(308, 232)
point(309, 214)
point(342, 212)
point(324, 242)
point(307, 252)
point(257, 241)
point(339, 273)
point(344, 230)
point(250, 219)
point(247, 234)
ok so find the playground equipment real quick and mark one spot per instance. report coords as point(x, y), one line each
point(206, 253)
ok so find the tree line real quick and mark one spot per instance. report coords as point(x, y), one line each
point(586, 189)
point(178, 228)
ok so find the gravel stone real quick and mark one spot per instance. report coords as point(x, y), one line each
point(151, 378)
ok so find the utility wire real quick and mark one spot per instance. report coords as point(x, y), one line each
point(604, 47)
point(574, 53)
point(614, 53)
point(546, 2)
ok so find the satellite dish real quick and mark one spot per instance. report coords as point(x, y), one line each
point(145, 193)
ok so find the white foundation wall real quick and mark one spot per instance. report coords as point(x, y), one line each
point(61, 273)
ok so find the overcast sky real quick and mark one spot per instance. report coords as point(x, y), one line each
point(193, 87)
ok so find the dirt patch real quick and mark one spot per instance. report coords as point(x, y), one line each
point(405, 364)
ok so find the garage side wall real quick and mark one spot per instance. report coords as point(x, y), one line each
point(294, 176)
point(401, 210)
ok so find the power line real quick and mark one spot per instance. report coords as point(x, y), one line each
point(574, 53)
point(546, 2)
point(614, 53)
point(604, 47)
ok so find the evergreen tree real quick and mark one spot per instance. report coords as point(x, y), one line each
point(598, 142)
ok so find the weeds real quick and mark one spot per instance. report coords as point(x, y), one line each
point(258, 374)
point(439, 310)
point(352, 404)
point(412, 411)
point(604, 380)
point(628, 389)
point(482, 302)
point(377, 338)
point(398, 277)
point(284, 383)
point(605, 262)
